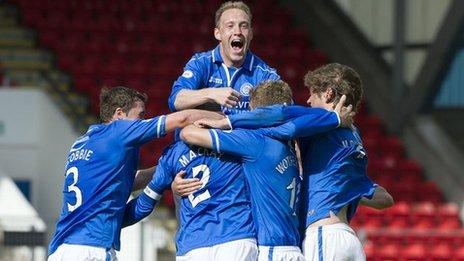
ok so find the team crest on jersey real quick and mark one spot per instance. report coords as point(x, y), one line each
point(187, 74)
point(246, 88)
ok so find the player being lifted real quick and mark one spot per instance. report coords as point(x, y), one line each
point(225, 75)
point(100, 171)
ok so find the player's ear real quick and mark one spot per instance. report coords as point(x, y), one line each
point(119, 114)
point(329, 95)
point(217, 34)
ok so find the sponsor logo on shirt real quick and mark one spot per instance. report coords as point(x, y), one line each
point(215, 80)
point(187, 74)
point(246, 88)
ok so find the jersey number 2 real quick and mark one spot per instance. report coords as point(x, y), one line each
point(204, 179)
point(75, 173)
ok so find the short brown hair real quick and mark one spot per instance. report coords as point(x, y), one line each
point(118, 97)
point(342, 79)
point(269, 93)
point(232, 5)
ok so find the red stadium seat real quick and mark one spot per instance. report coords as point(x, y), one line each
point(458, 254)
point(398, 215)
point(388, 252)
point(414, 252)
point(441, 252)
point(448, 217)
point(423, 215)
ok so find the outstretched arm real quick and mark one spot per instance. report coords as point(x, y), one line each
point(380, 200)
point(263, 117)
point(183, 118)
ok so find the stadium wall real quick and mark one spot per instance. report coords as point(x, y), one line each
point(34, 140)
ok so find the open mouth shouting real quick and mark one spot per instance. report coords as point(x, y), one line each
point(237, 45)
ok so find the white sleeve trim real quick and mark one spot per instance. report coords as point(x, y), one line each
point(216, 139)
point(338, 118)
point(230, 123)
point(158, 127)
point(152, 194)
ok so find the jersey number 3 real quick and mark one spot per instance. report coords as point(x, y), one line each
point(204, 179)
point(75, 173)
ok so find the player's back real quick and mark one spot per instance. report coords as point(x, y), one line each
point(271, 169)
point(98, 180)
point(275, 181)
point(220, 211)
point(334, 174)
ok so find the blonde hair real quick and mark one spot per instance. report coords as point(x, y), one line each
point(231, 5)
point(270, 93)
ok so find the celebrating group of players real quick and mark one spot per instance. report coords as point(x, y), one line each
point(278, 182)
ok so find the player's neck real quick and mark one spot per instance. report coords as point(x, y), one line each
point(230, 63)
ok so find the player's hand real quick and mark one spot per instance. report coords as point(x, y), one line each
point(225, 96)
point(345, 113)
point(184, 187)
point(213, 124)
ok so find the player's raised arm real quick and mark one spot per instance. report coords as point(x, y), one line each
point(380, 200)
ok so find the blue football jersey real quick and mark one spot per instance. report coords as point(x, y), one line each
point(319, 120)
point(334, 165)
point(207, 70)
point(217, 213)
point(100, 171)
point(271, 169)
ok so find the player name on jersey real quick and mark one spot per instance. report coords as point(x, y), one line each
point(82, 154)
point(195, 152)
point(285, 163)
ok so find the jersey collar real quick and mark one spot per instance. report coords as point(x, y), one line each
point(249, 58)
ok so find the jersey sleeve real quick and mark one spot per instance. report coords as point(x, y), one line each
point(141, 206)
point(258, 118)
point(240, 143)
point(138, 132)
point(191, 79)
point(275, 115)
point(272, 75)
point(305, 126)
point(163, 176)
